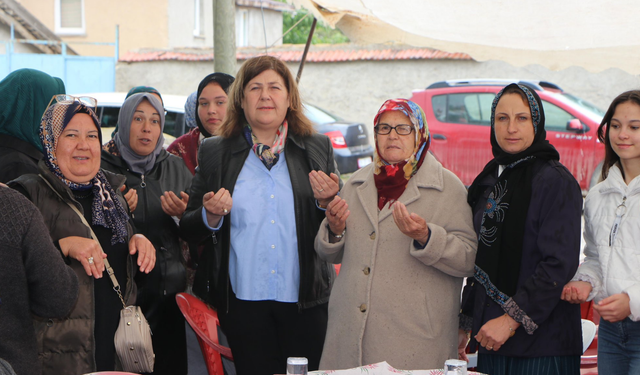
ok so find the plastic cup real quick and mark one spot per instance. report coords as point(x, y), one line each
point(455, 367)
point(297, 366)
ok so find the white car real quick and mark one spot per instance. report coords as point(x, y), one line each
point(109, 104)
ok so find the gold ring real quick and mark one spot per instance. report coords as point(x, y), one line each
point(490, 347)
point(225, 210)
point(320, 191)
point(90, 259)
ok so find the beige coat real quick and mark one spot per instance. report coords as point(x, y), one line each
point(392, 301)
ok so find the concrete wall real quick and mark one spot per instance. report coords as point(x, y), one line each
point(182, 23)
point(355, 90)
point(272, 27)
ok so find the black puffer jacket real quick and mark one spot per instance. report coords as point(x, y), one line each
point(157, 290)
point(67, 345)
point(220, 161)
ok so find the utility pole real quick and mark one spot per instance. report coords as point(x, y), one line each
point(224, 36)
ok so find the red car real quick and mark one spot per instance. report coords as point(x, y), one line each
point(459, 117)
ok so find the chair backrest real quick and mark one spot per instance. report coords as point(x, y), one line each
point(204, 321)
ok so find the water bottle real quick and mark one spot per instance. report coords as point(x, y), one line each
point(455, 367)
point(297, 366)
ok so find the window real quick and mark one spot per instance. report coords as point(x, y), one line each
point(69, 17)
point(467, 108)
point(198, 18)
point(556, 118)
point(242, 28)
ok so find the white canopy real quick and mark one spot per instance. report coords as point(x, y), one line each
point(593, 34)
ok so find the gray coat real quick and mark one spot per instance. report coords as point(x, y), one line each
point(392, 301)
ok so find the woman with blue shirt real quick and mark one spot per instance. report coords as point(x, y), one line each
point(260, 190)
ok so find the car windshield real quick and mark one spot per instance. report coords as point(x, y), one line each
point(594, 112)
point(318, 116)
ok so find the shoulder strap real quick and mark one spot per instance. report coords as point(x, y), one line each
point(112, 276)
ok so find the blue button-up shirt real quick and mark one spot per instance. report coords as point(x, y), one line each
point(263, 259)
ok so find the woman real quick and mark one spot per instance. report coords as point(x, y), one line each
point(264, 277)
point(211, 104)
point(405, 239)
point(33, 280)
point(70, 174)
point(161, 181)
point(609, 272)
point(133, 91)
point(24, 94)
point(526, 208)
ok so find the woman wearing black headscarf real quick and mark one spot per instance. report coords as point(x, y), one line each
point(211, 108)
point(527, 209)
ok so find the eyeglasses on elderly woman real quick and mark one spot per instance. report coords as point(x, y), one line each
point(68, 99)
point(384, 129)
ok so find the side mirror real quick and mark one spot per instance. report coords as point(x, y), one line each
point(577, 126)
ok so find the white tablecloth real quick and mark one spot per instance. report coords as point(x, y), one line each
point(383, 368)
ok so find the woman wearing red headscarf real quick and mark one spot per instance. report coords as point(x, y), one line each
point(403, 232)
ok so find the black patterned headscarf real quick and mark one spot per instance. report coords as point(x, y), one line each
point(501, 236)
point(106, 210)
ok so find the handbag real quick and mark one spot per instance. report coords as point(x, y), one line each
point(133, 335)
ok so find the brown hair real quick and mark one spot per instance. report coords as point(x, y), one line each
point(233, 123)
point(610, 157)
point(516, 90)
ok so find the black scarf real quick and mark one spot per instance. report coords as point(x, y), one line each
point(501, 234)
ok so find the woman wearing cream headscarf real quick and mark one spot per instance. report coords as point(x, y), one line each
point(403, 232)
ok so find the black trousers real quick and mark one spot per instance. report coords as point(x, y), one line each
point(262, 334)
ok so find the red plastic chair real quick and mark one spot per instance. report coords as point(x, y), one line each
point(204, 321)
point(589, 359)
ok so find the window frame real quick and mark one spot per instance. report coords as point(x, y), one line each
point(59, 30)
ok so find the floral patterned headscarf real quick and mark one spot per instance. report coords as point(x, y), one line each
point(391, 179)
point(106, 209)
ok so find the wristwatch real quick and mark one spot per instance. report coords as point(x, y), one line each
point(337, 236)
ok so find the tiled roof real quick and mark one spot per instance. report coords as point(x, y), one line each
point(293, 54)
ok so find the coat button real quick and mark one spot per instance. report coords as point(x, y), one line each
point(363, 307)
point(366, 270)
point(372, 235)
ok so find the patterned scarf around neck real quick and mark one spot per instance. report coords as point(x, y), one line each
point(501, 236)
point(106, 209)
point(269, 155)
point(391, 179)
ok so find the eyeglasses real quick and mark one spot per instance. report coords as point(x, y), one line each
point(68, 99)
point(384, 129)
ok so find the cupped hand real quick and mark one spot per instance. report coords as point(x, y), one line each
point(614, 308)
point(217, 205)
point(146, 252)
point(172, 205)
point(576, 291)
point(131, 197)
point(494, 333)
point(324, 187)
point(411, 224)
point(337, 213)
point(86, 251)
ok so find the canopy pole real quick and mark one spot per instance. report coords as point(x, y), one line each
point(306, 49)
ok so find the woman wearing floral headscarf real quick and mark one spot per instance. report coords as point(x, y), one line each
point(70, 174)
point(161, 181)
point(403, 233)
point(527, 209)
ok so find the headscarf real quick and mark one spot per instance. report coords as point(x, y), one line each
point(190, 110)
point(138, 90)
point(224, 80)
point(106, 209)
point(502, 230)
point(138, 163)
point(24, 95)
point(391, 179)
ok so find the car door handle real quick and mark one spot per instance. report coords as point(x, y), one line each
point(439, 136)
